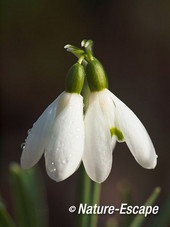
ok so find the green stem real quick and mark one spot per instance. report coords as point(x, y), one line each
point(84, 196)
point(89, 49)
point(89, 193)
point(95, 199)
point(81, 59)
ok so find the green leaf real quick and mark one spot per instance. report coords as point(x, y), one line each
point(163, 217)
point(28, 197)
point(126, 195)
point(5, 219)
point(140, 218)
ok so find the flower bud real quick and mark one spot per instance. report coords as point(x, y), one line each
point(75, 79)
point(96, 75)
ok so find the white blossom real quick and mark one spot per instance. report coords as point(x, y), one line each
point(108, 119)
point(59, 134)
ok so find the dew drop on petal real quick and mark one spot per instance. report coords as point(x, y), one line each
point(23, 145)
point(52, 167)
point(65, 161)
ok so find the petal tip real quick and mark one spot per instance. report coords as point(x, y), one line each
point(26, 162)
point(56, 175)
point(151, 163)
point(98, 179)
point(154, 163)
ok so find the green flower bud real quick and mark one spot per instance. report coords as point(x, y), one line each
point(96, 75)
point(75, 79)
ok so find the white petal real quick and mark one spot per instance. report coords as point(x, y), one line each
point(97, 157)
point(65, 147)
point(108, 109)
point(113, 142)
point(35, 142)
point(135, 135)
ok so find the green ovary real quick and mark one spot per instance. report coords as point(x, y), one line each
point(115, 131)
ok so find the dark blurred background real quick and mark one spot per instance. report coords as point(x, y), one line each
point(131, 39)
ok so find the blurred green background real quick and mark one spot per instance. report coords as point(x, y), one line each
point(131, 39)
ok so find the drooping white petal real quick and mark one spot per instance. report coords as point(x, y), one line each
point(135, 134)
point(65, 146)
point(36, 140)
point(97, 157)
point(108, 109)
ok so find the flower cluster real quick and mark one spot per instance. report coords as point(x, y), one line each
point(67, 136)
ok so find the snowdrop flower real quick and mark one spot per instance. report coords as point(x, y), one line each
point(66, 137)
point(59, 131)
point(108, 120)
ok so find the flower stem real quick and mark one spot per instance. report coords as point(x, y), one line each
point(84, 184)
point(89, 193)
point(95, 199)
point(81, 59)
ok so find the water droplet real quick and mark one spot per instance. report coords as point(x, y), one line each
point(23, 145)
point(64, 161)
point(52, 167)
